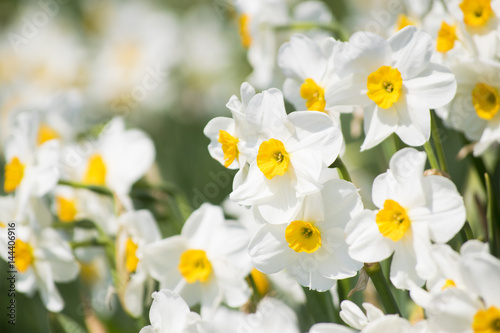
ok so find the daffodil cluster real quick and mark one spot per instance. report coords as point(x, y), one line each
point(325, 229)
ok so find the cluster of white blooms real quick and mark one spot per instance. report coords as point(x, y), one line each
point(294, 231)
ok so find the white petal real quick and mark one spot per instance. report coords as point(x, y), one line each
point(341, 202)
point(168, 311)
point(366, 243)
point(434, 87)
point(269, 249)
point(389, 324)
point(352, 315)
point(330, 328)
point(152, 258)
point(302, 58)
point(481, 273)
point(202, 224)
point(447, 211)
point(134, 294)
point(128, 156)
point(414, 125)
point(403, 264)
point(315, 130)
point(412, 50)
point(379, 124)
point(48, 290)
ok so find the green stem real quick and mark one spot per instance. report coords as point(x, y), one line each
point(432, 157)
point(438, 144)
point(375, 272)
point(342, 169)
point(333, 27)
point(90, 242)
point(466, 232)
point(98, 189)
point(489, 215)
point(320, 306)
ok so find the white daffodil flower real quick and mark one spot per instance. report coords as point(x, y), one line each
point(291, 153)
point(413, 210)
point(311, 246)
point(271, 315)
point(118, 159)
point(353, 316)
point(139, 230)
point(229, 138)
point(169, 313)
point(475, 108)
point(30, 170)
point(474, 306)
point(309, 66)
point(374, 321)
point(480, 19)
point(41, 258)
point(397, 83)
point(257, 20)
point(447, 273)
point(207, 263)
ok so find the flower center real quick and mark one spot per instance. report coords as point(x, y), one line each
point(272, 158)
point(46, 133)
point(96, 171)
point(486, 101)
point(14, 173)
point(131, 259)
point(404, 21)
point(392, 220)
point(313, 94)
point(476, 12)
point(261, 281)
point(448, 284)
point(195, 266)
point(66, 209)
point(229, 147)
point(23, 255)
point(487, 321)
point(303, 237)
point(384, 86)
point(244, 30)
point(446, 37)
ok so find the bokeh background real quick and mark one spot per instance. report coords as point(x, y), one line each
point(168, 67)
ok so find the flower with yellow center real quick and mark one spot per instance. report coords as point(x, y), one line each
point(392, 220)
point(446, 37)
point(14, 173)
point(66, 209)
point(487, 321)
point(23, 256)
point(395, 81)
point(384, 86)
point(46, 133)
point(427, 209)
point(303, 237)
point(314, 253)
point(229, 147)
point(244, 30)
point(313, 94)
point(131, 259)
point(207, 263)
point(486, 101)
point(273, 159)
point(403, 21)
point(195, 266)
point(477, 13)
point(96, 171)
